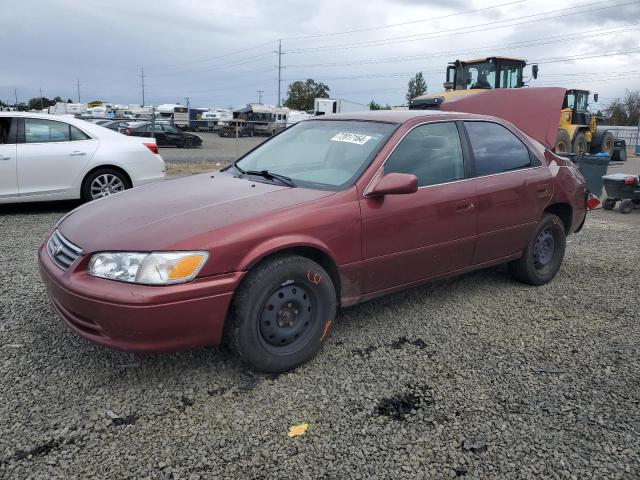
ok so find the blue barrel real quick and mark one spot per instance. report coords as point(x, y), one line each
point(593, 168)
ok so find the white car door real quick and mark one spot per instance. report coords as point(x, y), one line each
point(8, 169)
point(51, 157)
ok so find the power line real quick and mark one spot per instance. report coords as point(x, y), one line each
point(464, 30)
point(380, 27)
point(523, 44)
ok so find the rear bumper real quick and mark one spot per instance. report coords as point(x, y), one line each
point(139, 318)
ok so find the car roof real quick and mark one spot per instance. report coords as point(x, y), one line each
point(399, 116)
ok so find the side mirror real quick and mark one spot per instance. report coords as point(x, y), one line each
point(595, 97)
point(534, 71)
point(394, 184)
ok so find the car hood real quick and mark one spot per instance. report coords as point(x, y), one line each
point(174, 214)
point(535, 111)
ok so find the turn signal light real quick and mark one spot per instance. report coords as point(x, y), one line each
point(153, 147)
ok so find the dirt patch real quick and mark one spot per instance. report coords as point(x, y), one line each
point(184, 169)
point(406, 403)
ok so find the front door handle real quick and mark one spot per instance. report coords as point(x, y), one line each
point(77, 153)
point(4, 157)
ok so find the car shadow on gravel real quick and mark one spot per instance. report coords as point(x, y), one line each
point(27, 208)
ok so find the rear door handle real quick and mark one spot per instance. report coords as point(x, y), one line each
point(465, 207)
point(4, 157)
point(77, 153)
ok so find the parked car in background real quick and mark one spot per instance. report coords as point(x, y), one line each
point(331, 212)
point(45, 157)
point(165, 135)
point(117, 125)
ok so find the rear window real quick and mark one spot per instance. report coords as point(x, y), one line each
point(496, 149)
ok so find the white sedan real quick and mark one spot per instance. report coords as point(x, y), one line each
point(47, 157)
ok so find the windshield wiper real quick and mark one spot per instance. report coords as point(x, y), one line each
point(268, 175)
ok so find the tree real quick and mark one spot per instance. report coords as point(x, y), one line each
point(625, 111)
point(376, 106)
point(417, 86)
point(300, 95)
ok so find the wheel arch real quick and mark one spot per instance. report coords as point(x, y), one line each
point(313, 252)
point(103, 167)
point(564, 212)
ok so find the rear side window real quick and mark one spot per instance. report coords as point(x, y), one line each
point(77, 134)
point(431, 152)
point(496, 149)
point(37, 130)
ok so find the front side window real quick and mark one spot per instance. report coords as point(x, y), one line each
point(477, 75)
point(37, 130)
point(327, 155)
point(431, 152)
point(496, 149)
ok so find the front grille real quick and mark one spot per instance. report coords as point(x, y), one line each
point(62, 251)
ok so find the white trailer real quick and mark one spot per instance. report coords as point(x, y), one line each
point(63, 108)
point(323, 106)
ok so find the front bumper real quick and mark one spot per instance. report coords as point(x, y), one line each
point(139, 318)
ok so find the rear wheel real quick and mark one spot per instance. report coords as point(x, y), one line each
point(580, 144)
point(280, 316)
point(543, 256)
point(602, 142)
point(626, 206)
point(608, 204)
point(563, 142)
point(103, 183)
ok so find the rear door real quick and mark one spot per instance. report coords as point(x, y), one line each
point(8, 156)
point(52, 155)
point(513, 189)
point(407, 238)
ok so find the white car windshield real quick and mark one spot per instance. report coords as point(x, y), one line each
point(325, 154)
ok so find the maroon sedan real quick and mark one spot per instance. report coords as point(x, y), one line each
point(331, 212)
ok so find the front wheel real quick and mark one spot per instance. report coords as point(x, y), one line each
point(103, 183)
point(543, 256)
point(281, 314)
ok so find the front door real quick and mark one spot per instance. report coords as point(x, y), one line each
point(51, 156)
point(8, 155)
point(412, 237)
point(513, 190)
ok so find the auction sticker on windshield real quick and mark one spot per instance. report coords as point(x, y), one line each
point(356, 138)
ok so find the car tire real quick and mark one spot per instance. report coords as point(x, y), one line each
point(608, 204)
point(281, 314)
point(109, 181)
point(187, 143)
point(543, 256)
point(626, 206)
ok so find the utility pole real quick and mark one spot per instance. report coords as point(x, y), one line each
point(279, 52)
point(187, 101)
point(15, 93)
point(142, 80)
point(41, 100)
point(78, 85)
point(260, 92)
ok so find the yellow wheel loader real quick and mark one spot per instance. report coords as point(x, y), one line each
point(578, 131)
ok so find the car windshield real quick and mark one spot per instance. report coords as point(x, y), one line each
point(323, 154)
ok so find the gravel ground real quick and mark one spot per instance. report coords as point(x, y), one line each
point(214, 149)
point(476, 377)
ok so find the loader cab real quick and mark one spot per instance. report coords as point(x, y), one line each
point(577, 101)
point(485, 73)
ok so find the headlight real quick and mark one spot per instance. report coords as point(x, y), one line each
point(157, 268)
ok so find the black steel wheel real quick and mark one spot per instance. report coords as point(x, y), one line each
point(608, 204)
point(281, 315)
point(543, 256)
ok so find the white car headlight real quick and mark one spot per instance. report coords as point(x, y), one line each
point(157, 268)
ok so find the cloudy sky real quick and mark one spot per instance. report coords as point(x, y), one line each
point(220, 53)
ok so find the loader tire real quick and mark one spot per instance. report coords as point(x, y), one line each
point(563, 142)
point(602, 142)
